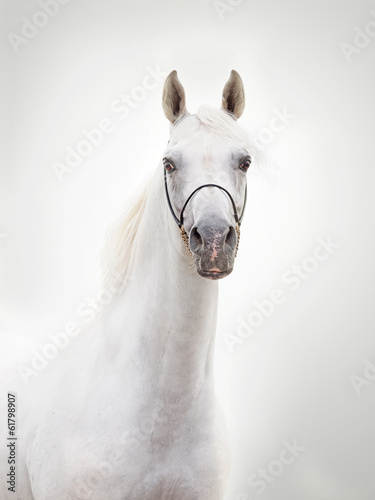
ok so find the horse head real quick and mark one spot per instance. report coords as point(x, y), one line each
point(205, 165)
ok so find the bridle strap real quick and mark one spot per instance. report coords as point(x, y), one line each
point(169, 201)
point(180, 221)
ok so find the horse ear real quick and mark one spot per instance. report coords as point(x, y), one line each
point(234, 95)
point(174, 104)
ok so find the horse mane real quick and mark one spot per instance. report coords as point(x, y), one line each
point(119, 245)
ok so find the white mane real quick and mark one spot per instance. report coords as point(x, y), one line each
point(118, 250)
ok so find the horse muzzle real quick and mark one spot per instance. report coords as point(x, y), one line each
point(213, 246)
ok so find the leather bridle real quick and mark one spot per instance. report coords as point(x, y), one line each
point(180, 220)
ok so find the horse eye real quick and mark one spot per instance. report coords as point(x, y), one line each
point(245, 164)
point(168, 165)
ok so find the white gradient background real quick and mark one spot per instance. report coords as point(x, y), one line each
point(291, 378)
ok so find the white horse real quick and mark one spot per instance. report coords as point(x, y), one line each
point(128, 409)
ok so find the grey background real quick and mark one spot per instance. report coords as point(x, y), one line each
point(291, 379)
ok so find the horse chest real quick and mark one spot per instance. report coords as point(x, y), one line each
point(143, 472)
point(149, 471)
point(157, 455)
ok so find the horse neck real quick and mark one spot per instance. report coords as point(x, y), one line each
point(169, 310)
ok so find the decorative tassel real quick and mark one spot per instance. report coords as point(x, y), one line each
point(238, 231)
point(185, 239)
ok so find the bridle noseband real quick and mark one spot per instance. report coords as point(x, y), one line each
point(180, 221)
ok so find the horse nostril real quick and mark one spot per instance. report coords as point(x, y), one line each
point(196, 241)
point(230, 240)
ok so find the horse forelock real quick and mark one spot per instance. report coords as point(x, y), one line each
point(225, 126)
